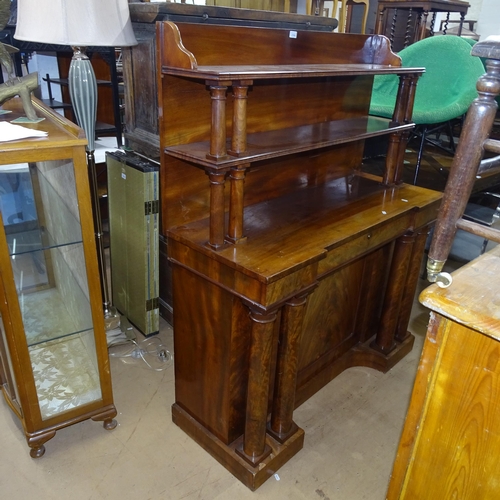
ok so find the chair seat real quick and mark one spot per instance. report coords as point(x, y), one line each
point(447, 88)
point(444, 92)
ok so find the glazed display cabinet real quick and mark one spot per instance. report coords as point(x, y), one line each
point(54, 367)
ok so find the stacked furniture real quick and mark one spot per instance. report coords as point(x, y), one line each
point(289, 263)
point(413, 25)
point(139, 73)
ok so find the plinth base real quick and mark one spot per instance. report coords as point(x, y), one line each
point(250, 476)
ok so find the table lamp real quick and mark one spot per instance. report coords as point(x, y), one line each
point(80, 24)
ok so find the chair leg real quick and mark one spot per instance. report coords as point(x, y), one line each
point(419, 156)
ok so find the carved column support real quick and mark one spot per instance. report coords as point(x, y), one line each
point(403, 247)
point(254, 448)
point(218, 126)
point(217, 181)
point(398, 140)
point(235, 227)
point(292, 317)
point(239, 137)
point(411, 284)
point(392, 158)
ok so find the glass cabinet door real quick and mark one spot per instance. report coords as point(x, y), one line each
point(41, 220)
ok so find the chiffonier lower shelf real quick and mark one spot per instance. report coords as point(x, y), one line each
point(289, 264)
point(282, 142)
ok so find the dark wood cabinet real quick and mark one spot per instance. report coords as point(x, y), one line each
point(289, 263)
point(139, 72)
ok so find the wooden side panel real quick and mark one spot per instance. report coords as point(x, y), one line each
point(281, 46)
point(458, 439)
point(211, 346)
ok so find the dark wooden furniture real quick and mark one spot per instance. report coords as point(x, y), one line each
point(139, 61)
point(289, 264)
point(403, 31)
point(54, 367)
point(139, 73)
point(449, 446)
point(477, 158)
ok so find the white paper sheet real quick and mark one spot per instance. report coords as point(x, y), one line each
point(11, 132)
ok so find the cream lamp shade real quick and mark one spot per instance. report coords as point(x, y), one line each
point(80, 23)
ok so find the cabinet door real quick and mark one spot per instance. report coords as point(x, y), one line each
point(46, 263)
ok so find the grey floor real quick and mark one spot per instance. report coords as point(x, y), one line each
point(352, 428)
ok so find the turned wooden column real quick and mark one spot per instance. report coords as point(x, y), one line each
point(235, 226)
point(398, 140)
point(239, 137)
point(403, 249)
point(411, 283)
point(218, 126)
point(292, 317)
point(217, 181)
point(254, 448)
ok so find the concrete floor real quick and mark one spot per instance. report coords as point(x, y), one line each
point(352, 429)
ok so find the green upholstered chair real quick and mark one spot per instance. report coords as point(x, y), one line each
point(444, 92)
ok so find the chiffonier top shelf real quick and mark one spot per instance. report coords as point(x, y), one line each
point(259, 71)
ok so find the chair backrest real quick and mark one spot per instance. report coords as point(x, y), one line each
point(448, 86)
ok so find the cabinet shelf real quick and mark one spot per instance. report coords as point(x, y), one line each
point(58, 319)
point(304, 226)
point(261, 71)
point(275, 143)
point(33, 241)
point(35, 236)
point(66, 375)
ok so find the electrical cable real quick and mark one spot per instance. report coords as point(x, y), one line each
point(148, 350)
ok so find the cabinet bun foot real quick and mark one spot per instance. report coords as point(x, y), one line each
point(110, 424)
point(37, 452)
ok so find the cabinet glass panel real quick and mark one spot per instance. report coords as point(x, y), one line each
point(42, 226)
point(7, 378)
